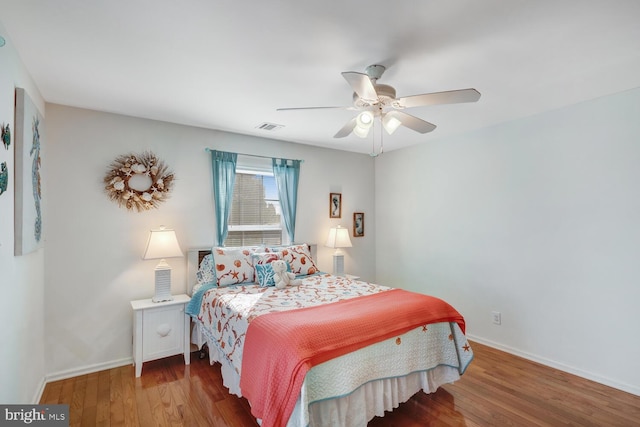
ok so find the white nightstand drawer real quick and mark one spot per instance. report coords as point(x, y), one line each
point(162, 332)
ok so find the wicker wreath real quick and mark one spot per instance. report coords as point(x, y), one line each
point(138, 181)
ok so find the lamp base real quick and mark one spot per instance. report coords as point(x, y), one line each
point(163, 283)
point(338, 264)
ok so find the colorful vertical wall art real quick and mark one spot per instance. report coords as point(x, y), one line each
point(6, 135)
point(4, 171)
point(4, 177)
point(29, 126)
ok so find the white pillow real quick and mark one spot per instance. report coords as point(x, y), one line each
point(299, 258)
point(232, 266)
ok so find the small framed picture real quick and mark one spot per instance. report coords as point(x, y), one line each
point(335, 205)
point(358, 224)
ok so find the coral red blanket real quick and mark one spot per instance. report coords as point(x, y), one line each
point(281, 347)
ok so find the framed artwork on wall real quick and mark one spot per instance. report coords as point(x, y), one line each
point(335, 205)
point(4, 170)
point(358, 224)
point(29, 126)
point(4, 177)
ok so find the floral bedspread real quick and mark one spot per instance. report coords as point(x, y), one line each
point(225, 312)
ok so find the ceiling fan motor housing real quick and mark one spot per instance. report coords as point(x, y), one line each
point(386, 96)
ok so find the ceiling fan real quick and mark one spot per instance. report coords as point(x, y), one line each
point(373, 100)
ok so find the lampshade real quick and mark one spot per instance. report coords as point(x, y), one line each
point(162, 243)
point(338, 238)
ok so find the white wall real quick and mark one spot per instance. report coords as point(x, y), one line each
point(538, 219)
point(94, 248)
point(22, 347)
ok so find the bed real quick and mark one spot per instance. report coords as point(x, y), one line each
point(404, 342)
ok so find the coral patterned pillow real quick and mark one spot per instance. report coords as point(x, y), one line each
point(232, 266)
point(263, 258)
point(299, 258)
point(265, 276)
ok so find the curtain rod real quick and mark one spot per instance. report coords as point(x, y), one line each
point(254, 155)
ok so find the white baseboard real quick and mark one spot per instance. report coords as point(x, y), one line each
point(70, 373)
point(39, 391)
point(63, 375)
point(560, 366)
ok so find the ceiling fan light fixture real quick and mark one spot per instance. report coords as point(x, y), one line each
point(390, 123)
point(361, 132)
point(365, 119)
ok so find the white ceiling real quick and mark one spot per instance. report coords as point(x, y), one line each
point(229, 65)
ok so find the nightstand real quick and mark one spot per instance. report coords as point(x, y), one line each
point(160, 329)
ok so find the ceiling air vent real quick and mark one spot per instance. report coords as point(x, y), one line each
point(269, 126)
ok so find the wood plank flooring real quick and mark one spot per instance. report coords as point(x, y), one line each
point(498, 389)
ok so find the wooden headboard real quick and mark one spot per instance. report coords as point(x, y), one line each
point(195, 256)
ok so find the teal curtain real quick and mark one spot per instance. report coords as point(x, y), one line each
point(287, 174)
point(223, 167)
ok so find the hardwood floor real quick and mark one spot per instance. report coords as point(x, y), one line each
point(498, 389)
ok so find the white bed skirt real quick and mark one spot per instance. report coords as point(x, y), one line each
point(372, 399)
point(357, 408)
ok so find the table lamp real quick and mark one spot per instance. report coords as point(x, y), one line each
point(338, 238)
point(162, 244)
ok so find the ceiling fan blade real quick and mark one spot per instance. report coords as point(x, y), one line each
point(346, 129)
point(436, 98)
point(362, 85)
point(412, 122)
point(313, 108)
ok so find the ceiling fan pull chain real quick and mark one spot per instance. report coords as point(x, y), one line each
point(373, 140)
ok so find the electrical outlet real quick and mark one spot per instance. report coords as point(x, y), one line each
point(497, 317)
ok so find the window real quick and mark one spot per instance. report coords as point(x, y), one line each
point(255, 211)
